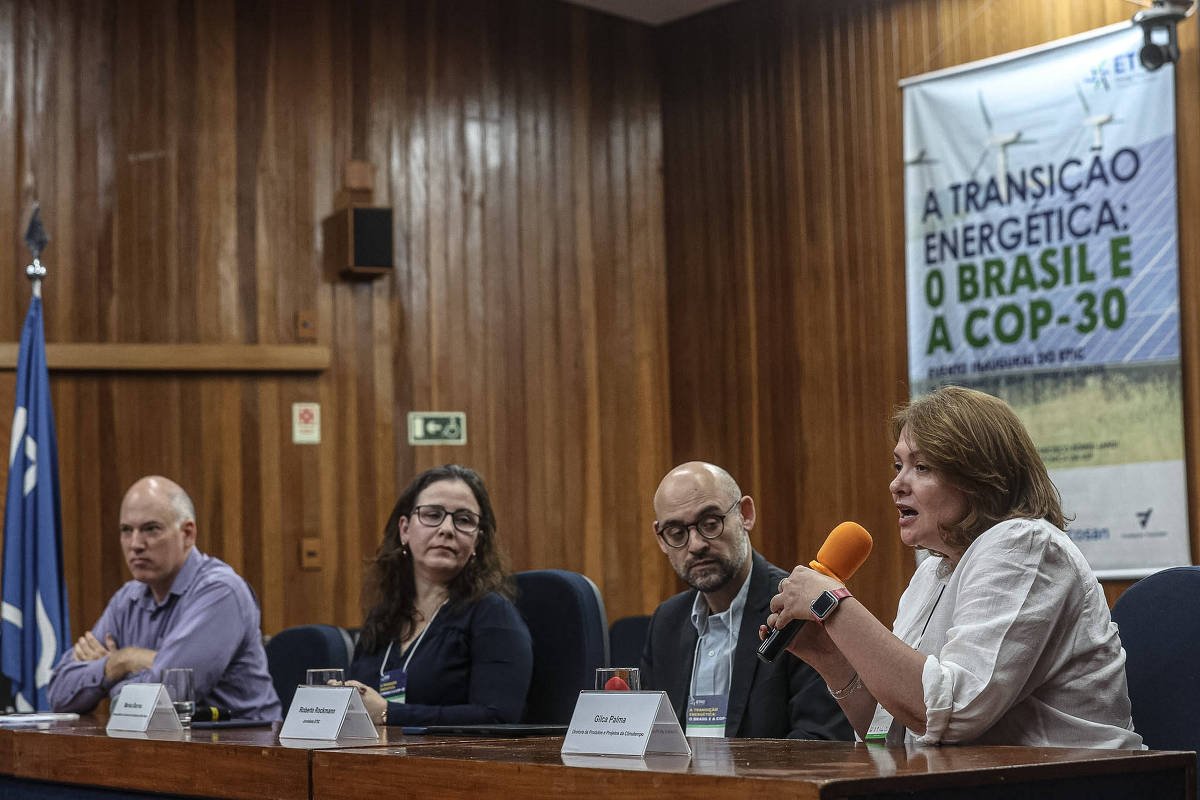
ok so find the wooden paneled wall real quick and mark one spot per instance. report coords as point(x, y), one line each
point(617, 248)
point(785, 244)
point(185, 153)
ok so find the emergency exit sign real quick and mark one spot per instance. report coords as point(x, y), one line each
point(437, 427)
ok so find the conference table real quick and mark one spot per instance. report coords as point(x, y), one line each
point(80, 760)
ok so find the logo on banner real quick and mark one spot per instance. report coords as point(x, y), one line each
point(1119, 68)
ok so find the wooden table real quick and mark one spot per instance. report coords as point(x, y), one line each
point(6, 751)
point(233, 763)
point(252, 763)
point(753, 769)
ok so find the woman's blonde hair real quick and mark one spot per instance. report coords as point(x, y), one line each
point(975, 442)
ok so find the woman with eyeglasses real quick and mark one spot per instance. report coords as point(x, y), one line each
point(442, 643)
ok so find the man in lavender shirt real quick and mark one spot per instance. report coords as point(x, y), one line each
point(182, 609)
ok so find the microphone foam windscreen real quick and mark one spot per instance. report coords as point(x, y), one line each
point(844, 551)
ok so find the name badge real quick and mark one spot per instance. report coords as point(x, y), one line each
point(881, 723)
point(706, 715)
point(328, 713)
point(142, 707)
point(393, 685)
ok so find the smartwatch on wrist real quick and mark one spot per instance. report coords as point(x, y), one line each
point(827, 602)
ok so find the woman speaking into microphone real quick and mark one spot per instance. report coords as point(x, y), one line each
point(1004, 636)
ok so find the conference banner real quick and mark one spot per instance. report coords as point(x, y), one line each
point(1042, 267)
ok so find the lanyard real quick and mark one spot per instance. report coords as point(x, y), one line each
point(883, 722)
point(412, 649)
point(930, 617)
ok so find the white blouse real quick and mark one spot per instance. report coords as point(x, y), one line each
point(1021, 648)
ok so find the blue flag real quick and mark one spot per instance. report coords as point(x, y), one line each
point(34, 628)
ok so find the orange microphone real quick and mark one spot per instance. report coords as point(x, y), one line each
point(844, 551)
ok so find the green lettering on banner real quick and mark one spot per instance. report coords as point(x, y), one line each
point(968, 282)
point(974, 339)
point(1085, 274)
point(1048, 261)
point(1022, 275)
point(1010, 323)
point(935, 288)
point(939, 336)
point(1040, 315)
point(993, 277)
point(1120, 256)
point(1087, 304)
point(1112, 308)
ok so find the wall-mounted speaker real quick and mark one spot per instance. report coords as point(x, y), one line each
point(358, 242)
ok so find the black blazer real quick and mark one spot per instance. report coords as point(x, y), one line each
point(786, 699)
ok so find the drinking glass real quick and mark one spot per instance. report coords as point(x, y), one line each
point(323, 675)
point(181, 690)
point(618, 679)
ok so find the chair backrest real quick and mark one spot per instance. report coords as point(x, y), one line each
point(565, 615)
point(292, 651)
point(627, 639)
point(1159, 618)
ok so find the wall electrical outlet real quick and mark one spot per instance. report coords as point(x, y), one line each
point(306, 325)
point(310, 553)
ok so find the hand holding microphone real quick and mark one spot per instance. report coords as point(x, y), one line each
point(844, 551)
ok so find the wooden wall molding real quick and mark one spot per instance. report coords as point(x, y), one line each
point(113, 357)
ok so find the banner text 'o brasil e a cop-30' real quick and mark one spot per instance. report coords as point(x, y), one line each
point(1042, 267)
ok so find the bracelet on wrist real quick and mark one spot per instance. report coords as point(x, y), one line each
point(850, 688)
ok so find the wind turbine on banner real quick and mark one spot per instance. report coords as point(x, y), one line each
point(1094, 121)
point(1000, 142)
point(922, 160)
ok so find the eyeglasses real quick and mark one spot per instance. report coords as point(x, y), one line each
point(464, 521)
point(710, 526)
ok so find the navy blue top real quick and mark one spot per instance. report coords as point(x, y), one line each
point(472, 666)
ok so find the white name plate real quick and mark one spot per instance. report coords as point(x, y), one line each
point(624, 724)
point(327, 713)
point(142, 707)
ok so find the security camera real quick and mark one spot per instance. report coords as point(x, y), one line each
point(1160, 39)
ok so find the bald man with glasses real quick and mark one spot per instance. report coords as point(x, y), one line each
point(701, 645)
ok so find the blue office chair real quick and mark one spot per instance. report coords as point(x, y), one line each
point(565, 615)
point(627, 639)
point(1160, 629)
point(292, 651)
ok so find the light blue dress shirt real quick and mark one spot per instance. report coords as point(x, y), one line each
point(712, 669)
